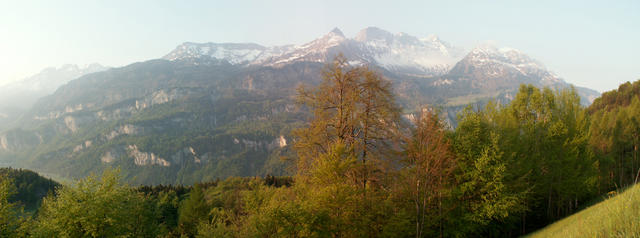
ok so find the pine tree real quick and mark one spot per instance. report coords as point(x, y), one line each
point(193, 210)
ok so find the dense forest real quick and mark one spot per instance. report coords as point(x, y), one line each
point(363, 170)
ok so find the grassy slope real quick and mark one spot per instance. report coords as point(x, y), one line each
point(618, 216)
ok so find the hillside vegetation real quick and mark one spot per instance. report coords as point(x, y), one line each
point(618, 216)
point(30, 187)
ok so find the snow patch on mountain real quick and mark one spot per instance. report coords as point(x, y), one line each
point(401, 51)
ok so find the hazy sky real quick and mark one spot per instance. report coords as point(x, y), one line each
point(589, 43)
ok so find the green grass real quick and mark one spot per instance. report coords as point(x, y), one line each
point(618, 216)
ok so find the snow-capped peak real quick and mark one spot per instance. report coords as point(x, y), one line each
point(332, 38)
point(396, 52)
point(495, 61)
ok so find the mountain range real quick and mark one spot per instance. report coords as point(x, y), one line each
point(374, 46)
point(436, 62)
point(213, 110)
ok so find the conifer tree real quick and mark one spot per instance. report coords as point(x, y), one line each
point(193, 210)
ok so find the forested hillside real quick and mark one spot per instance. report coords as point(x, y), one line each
point(361, 170)
point(30, 187)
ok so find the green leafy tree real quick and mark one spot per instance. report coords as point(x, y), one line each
point(96, 207)
point(485, 185)
point(615, 134)
point(529, 158)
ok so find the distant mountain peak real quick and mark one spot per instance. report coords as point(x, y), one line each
point(336, 32)
point(25, 91)
point(332, 38)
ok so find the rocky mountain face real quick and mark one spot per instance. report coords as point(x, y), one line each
point(210, 110)
point(164, 122)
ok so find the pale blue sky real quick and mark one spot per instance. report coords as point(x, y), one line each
point(589, 43)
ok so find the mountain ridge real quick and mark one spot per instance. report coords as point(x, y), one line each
point(399, 53)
